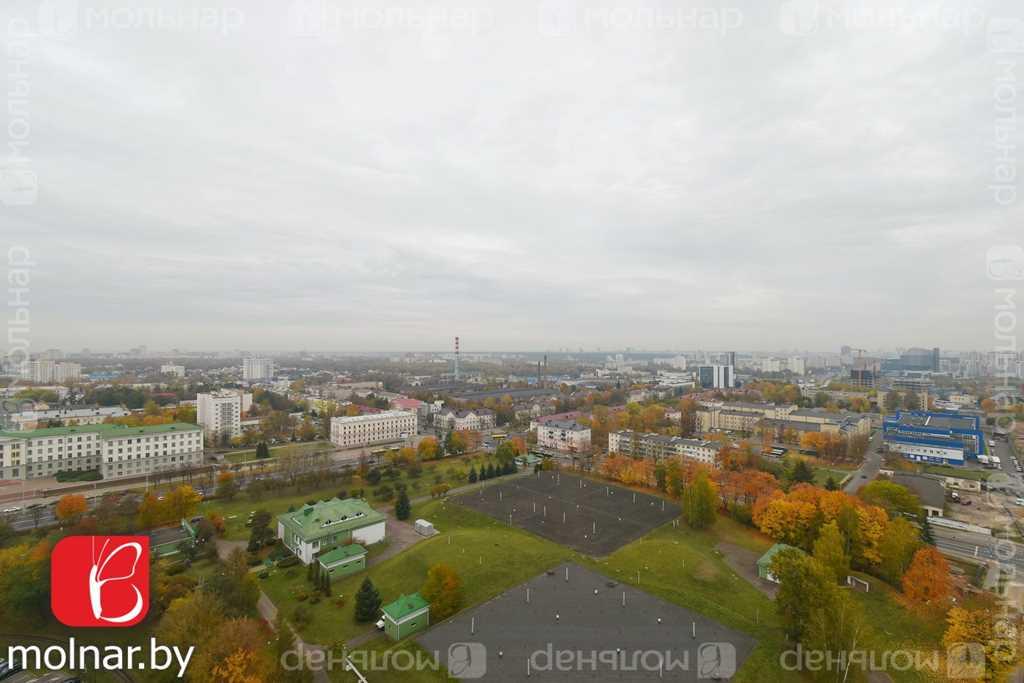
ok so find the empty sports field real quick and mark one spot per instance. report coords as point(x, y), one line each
point(591, 517)
point(573, 624)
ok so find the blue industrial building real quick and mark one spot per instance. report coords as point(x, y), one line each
point(934, 437)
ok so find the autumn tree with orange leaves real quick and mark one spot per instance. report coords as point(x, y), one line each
point(927, 580)
point(71, 507)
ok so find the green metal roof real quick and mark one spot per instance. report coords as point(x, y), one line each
point(766, 559)
point(331, 517)
point(107, 431)
point(404, 606)
point(342, 553)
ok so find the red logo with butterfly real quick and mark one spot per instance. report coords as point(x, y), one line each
point(100, 581)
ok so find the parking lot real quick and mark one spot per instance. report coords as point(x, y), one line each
point(573, 624)
point(592, 517)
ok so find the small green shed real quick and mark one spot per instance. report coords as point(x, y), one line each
point(765, 562)
point(344, 560)
point(405, 616)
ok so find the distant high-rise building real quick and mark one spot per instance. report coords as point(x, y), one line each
point(49, 371)
point(865, 372)
point(255, 369)
point(716, 376)
point(171, 369)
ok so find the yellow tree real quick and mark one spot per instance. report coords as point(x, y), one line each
point(971, 629)
point(180, 503)
point(443, 590)
point(427, 448)
point(150, 511)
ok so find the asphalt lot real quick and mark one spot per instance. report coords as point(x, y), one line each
point(587, 516)
point(579, 630)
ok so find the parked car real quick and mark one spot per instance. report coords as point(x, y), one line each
point(380, 624)
point(1019, 501)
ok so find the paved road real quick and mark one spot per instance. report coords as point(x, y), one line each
point(978, 546)
point(869, 468)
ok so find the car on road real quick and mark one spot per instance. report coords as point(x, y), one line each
point(9, 511)
point(1019, 501)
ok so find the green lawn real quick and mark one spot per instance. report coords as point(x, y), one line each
point(480, 550)
point(962, 473)
point(821, 475)
point(894, 627)
point(298, 448)
point(377, 659)
point(236, 512)
point(452, 471)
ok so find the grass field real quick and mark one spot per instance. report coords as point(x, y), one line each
point(821, 475)
point(962, 473)
point(277, 451)
point(893, 627)
point(488, 556)
point(236, 512)
point(378, 658)
point(451, 471)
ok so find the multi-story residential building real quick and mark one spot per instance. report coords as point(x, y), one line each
point(257, 369)
point(114, 450)
point(373, 428)
point(474, 420)
point(324, 526)
point(658, 447)
point(220, 413)
point(738, 417)
point(89, 415)
point(565, 436)
point(171, 369)
point(44, 371)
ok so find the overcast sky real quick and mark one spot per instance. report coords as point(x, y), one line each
point(525, 175)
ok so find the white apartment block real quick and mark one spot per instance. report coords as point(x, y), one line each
point(45, 371)
point(472, 420)
point(373, 428)
point(256, 369)
point(564, 436)
point(114, 450)
point(659, 447)
point(220, 412)
point(174, 370)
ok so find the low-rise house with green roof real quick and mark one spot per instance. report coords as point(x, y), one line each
point(405, 616)
point(343, 560)
point(112, 450)
point(168, 540)
point(764, 564)
point(327, 525)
